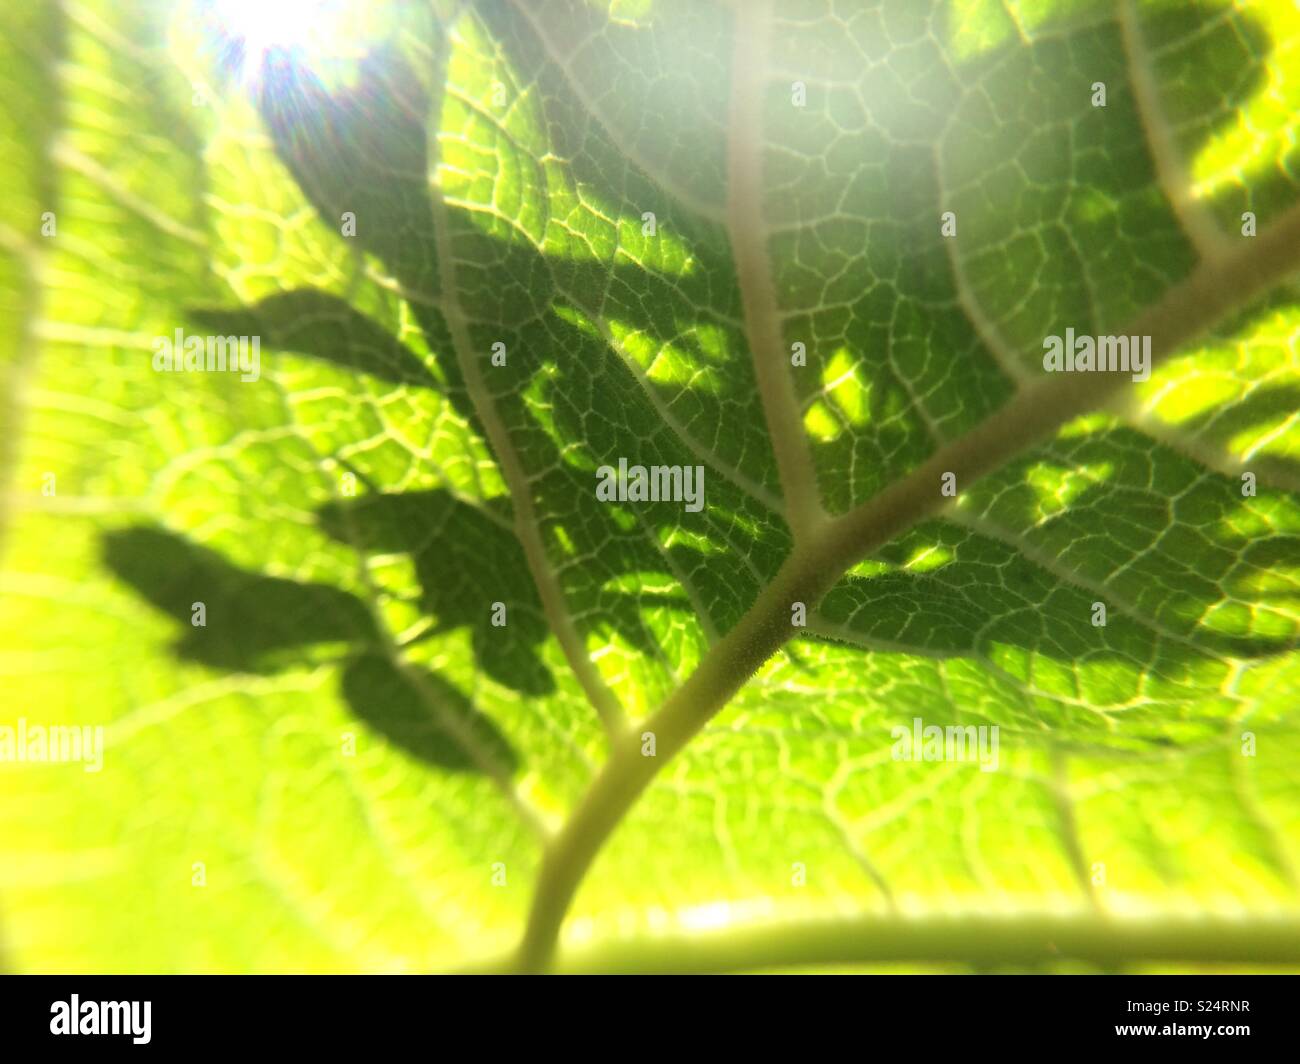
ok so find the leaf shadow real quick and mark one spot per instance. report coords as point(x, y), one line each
point(312, 322)
point(262, 621)
point(464, 562)
point(395, 703)
point(365, 151)
point(254, 623)
point(1012, 579)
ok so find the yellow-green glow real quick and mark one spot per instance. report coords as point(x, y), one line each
point(821, 423)
point(1056, 488)
point(928, 558)
point(1261, 136)
point(839, 379)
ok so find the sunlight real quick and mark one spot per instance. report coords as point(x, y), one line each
point(286, 24)
point(325, 35)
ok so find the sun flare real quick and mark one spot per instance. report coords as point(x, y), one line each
point(325, 35)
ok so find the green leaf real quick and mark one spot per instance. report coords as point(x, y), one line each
point(344, 760)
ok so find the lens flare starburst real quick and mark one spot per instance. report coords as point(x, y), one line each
point(326, 36)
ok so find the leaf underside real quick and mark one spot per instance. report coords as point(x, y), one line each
point(368, 770)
